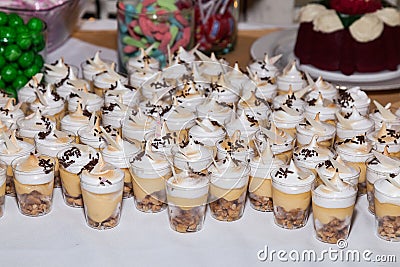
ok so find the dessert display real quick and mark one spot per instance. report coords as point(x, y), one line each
point(187, 195)
point(260, 181)
point(387, 208)
point(34, 183)
point(93, 66)
point(228, 189)
point(337, 36)
point(333, 205)
point(102, 189)
point(379, 167)
point(73, 160)
point(291, 195)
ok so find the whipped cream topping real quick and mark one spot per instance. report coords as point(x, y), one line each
point(119, 152)
point(277, 138)
point(27, 93)
point(207, 132)
point(387, 192)
point(193, 156)
point(94, 65)
point(326, 89)
point(33, 170)
point(73, 121)
point(78, 158)
point(57, 71)
point(265, 69)
point(334, 193)
point(330, 167)
point(325, 107)
point(354, 97)
point(367, 28)
point(184, 56)
point(121, 92)
point(49, 102)
point(265, 89)
point(31, 125)
point(187, 185)
point(309, 12)
point(215, 110)
point(12, 148)
point(234, 143)
point(264, 163)
point(390, 16)
point(90, 101)
point(327, 21)
point(52, 141)
point(356, 149)
point(114, 114)
point(229, 174)
point(292, 179)
point(287, 117)
point(71, 82)
point(312, 154)
point(290, 100)
point(4, 97)
point(10, 113)
point(155, 106)
point(146, 161)
point(246, 124)
point(383, 163)
point(383, 114)
point(179, 118)
point(106, 78)
point(139, 77)
point(143, 60)
point(291, 76)
point(384, 136)
point(314, 126)
point(224, 91)
point(354, 121)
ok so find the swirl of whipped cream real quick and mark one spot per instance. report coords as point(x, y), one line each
point(215, 110)
point(324, 131)
point(189, 96)
point(291, 76)
point(188, 186)
point(155, 106)
point(309, 12)
point(119, 155)
point(194, 156)
point(33, 169)
point(235, 145)
point(27, 93)
point(385, 137)
point(354, 97)
point(124, 93)
point(77, 158)
point(356, 149)
point(326, 89)
point(73, 121)
point(71, 82)
point(326, 108)
point(93, 66)
point(143, 60)
point(10, 113)
point(287, 118)
point(353, 124)
point(52, 141)
point(330, 167)
point(265, 89)
point(246, 124)
point(49, 102)
point(31, 125)
point(381, 166)
point(207, 132)
point(179, 118)
point(389, 16)
point(106, 78)
point(265, 69)
point(310, 155)
point(12, 148)
point(90, 101)
point(224, 91)
point(387, 192)
point(254, 106)
point(229, 174)
point(384, 115)
point(292, 179)
point(264, 163)
point(290, 100)
point(366, 29)
point(114, 114)
point(327, 21)
point(137, 125)
point(139, 77)
point(56, 72)
point(91, 134)
point(280, 140)
point(147, 162)
point(337, 194)
point(184, 56)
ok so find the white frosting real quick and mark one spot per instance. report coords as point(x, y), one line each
point(324, 107)
point(142, 60)
point(386, 192)
point(357, 149)
point(32, 124)
point(354, 97)
point(305, 132)
point(193, 156)
point(10, 113)
point(52, 143)
point(208, 133)
point(378, 169)
point(36, 175)
point(228, 174)
point(90, 101)
point(327, 90)
point(309, 12)
point(77, 157)
point(246, 124)
point(73, 121)
point(310, 155)
point(327, 21)
point(291, 77)
point(285, 120)
point(105, 79)
point(138, 78)
point(90, 180)
point(385, 137)
point(346, 172)
point(290, 100)
point(263, 164)
point(292, 179)
point(119, 156)
point(215, 111)
point(280, 140)
point(49, 102)
point(123, 93)
point(94, 66)
point(58, 71)
point(366, 29)
point(355, 124)
point(389, 16)
point(71, 83)
point(179, 118)
point(27, 93)
point(7, 155)
point(265, 68)
point(185, 186)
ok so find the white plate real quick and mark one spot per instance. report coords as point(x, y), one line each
point(282, 42)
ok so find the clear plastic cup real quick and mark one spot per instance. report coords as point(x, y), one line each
point(187, 202)
point(3, 171)
point(34, 188)
point(332, 214)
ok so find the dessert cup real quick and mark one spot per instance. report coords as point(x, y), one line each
point(34, 183)
point(387, 209)
point(102, 81)
point(29, 126)
point(313, 126)
point(93, 66)
point(187, 195)
point(333, 209)
point(102, 189)
point(228, 188)
point(3, 171)
point(291, 196)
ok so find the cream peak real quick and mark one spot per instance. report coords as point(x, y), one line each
point(385, 112)
point(386, 161)
point(11, 142)
point(316, 123)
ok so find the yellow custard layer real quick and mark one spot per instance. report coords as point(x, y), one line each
point(127, 175)
point(100, 207)
point(326, 215)
point(3, 189)
point(187, 203)
point(44, 189)
point(291, 201)
point(363, 170)
point(147, 186)
point(260, 187)
point(228, 194)
point(386, 209)
point(70, 182)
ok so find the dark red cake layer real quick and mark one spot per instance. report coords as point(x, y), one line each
point(339, 51)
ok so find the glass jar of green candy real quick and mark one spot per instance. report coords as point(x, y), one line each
point(158, 26)
point(22, 50)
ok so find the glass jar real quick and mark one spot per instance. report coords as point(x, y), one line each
point(216, 25)
point(146, 24)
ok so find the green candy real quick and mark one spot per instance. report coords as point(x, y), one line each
point(35, 24)
point(133, 42)
point(12, 52)
point(2, 84)
point(3, 61)
point(26, 59)
point(167, 4)
point(14, 20)
point(138, 30)
point(31, 71)
point(174, 30)
point(23, 41)
point(3, 18)
point(8, 73)
point(19, 82)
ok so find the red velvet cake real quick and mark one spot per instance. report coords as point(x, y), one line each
point(349, 36)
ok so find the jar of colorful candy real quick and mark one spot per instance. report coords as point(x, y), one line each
point(22, 50)
point(216, 25)
point(165, 25)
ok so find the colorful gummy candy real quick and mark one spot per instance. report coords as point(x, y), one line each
point(21, 45)
point(161, 23)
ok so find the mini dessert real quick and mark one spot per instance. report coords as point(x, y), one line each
point(260, 188)
point(27, 94)
point(50, 104)
point(291, 196)
point(192, 156)
point(187, 195)
point(255, 107)
point(291, 99)
point(150, 171)
point(56, 72)
point(70, 84)
point(385, 137)
point(157, 85)
point(265, 69)
point(384, 115)
point(355, 152)
point(281, 142)
point(290, 77)
point(246, 124)
point(114, 114)
point(333, 205)
point(118, 152)
point(189, 96)
point(137, 125)
point(124, 93)
point(228, 188)
point(90, 101)
point(138, 77)
point(380, 167)
point(314, 126)
point(326, 109)
point(73, 161)
point(11, 149)
point(328, 169)
point(143, 59)
point(214, 110)
point(34, 183)
point(286, 119)
point(179, 120)
point(237, 78)
point(236, 146)
point(387, 208)
point(91, 134)
point(207, 132)
point(75, 120)
point(3, 174)
point(103, 80)
point(155, 106)
point(49, 143)
point(223, 91)
point(93, 66)
point(163, 139)
point(102, 189)
point(310, 155)
point(265, 89)
point(352, 125)
point(10, 113)
point(4, 97)
point(327, 90)
point(354, 97)
point(31, 125)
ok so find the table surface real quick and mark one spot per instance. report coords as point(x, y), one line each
point(62, 237)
